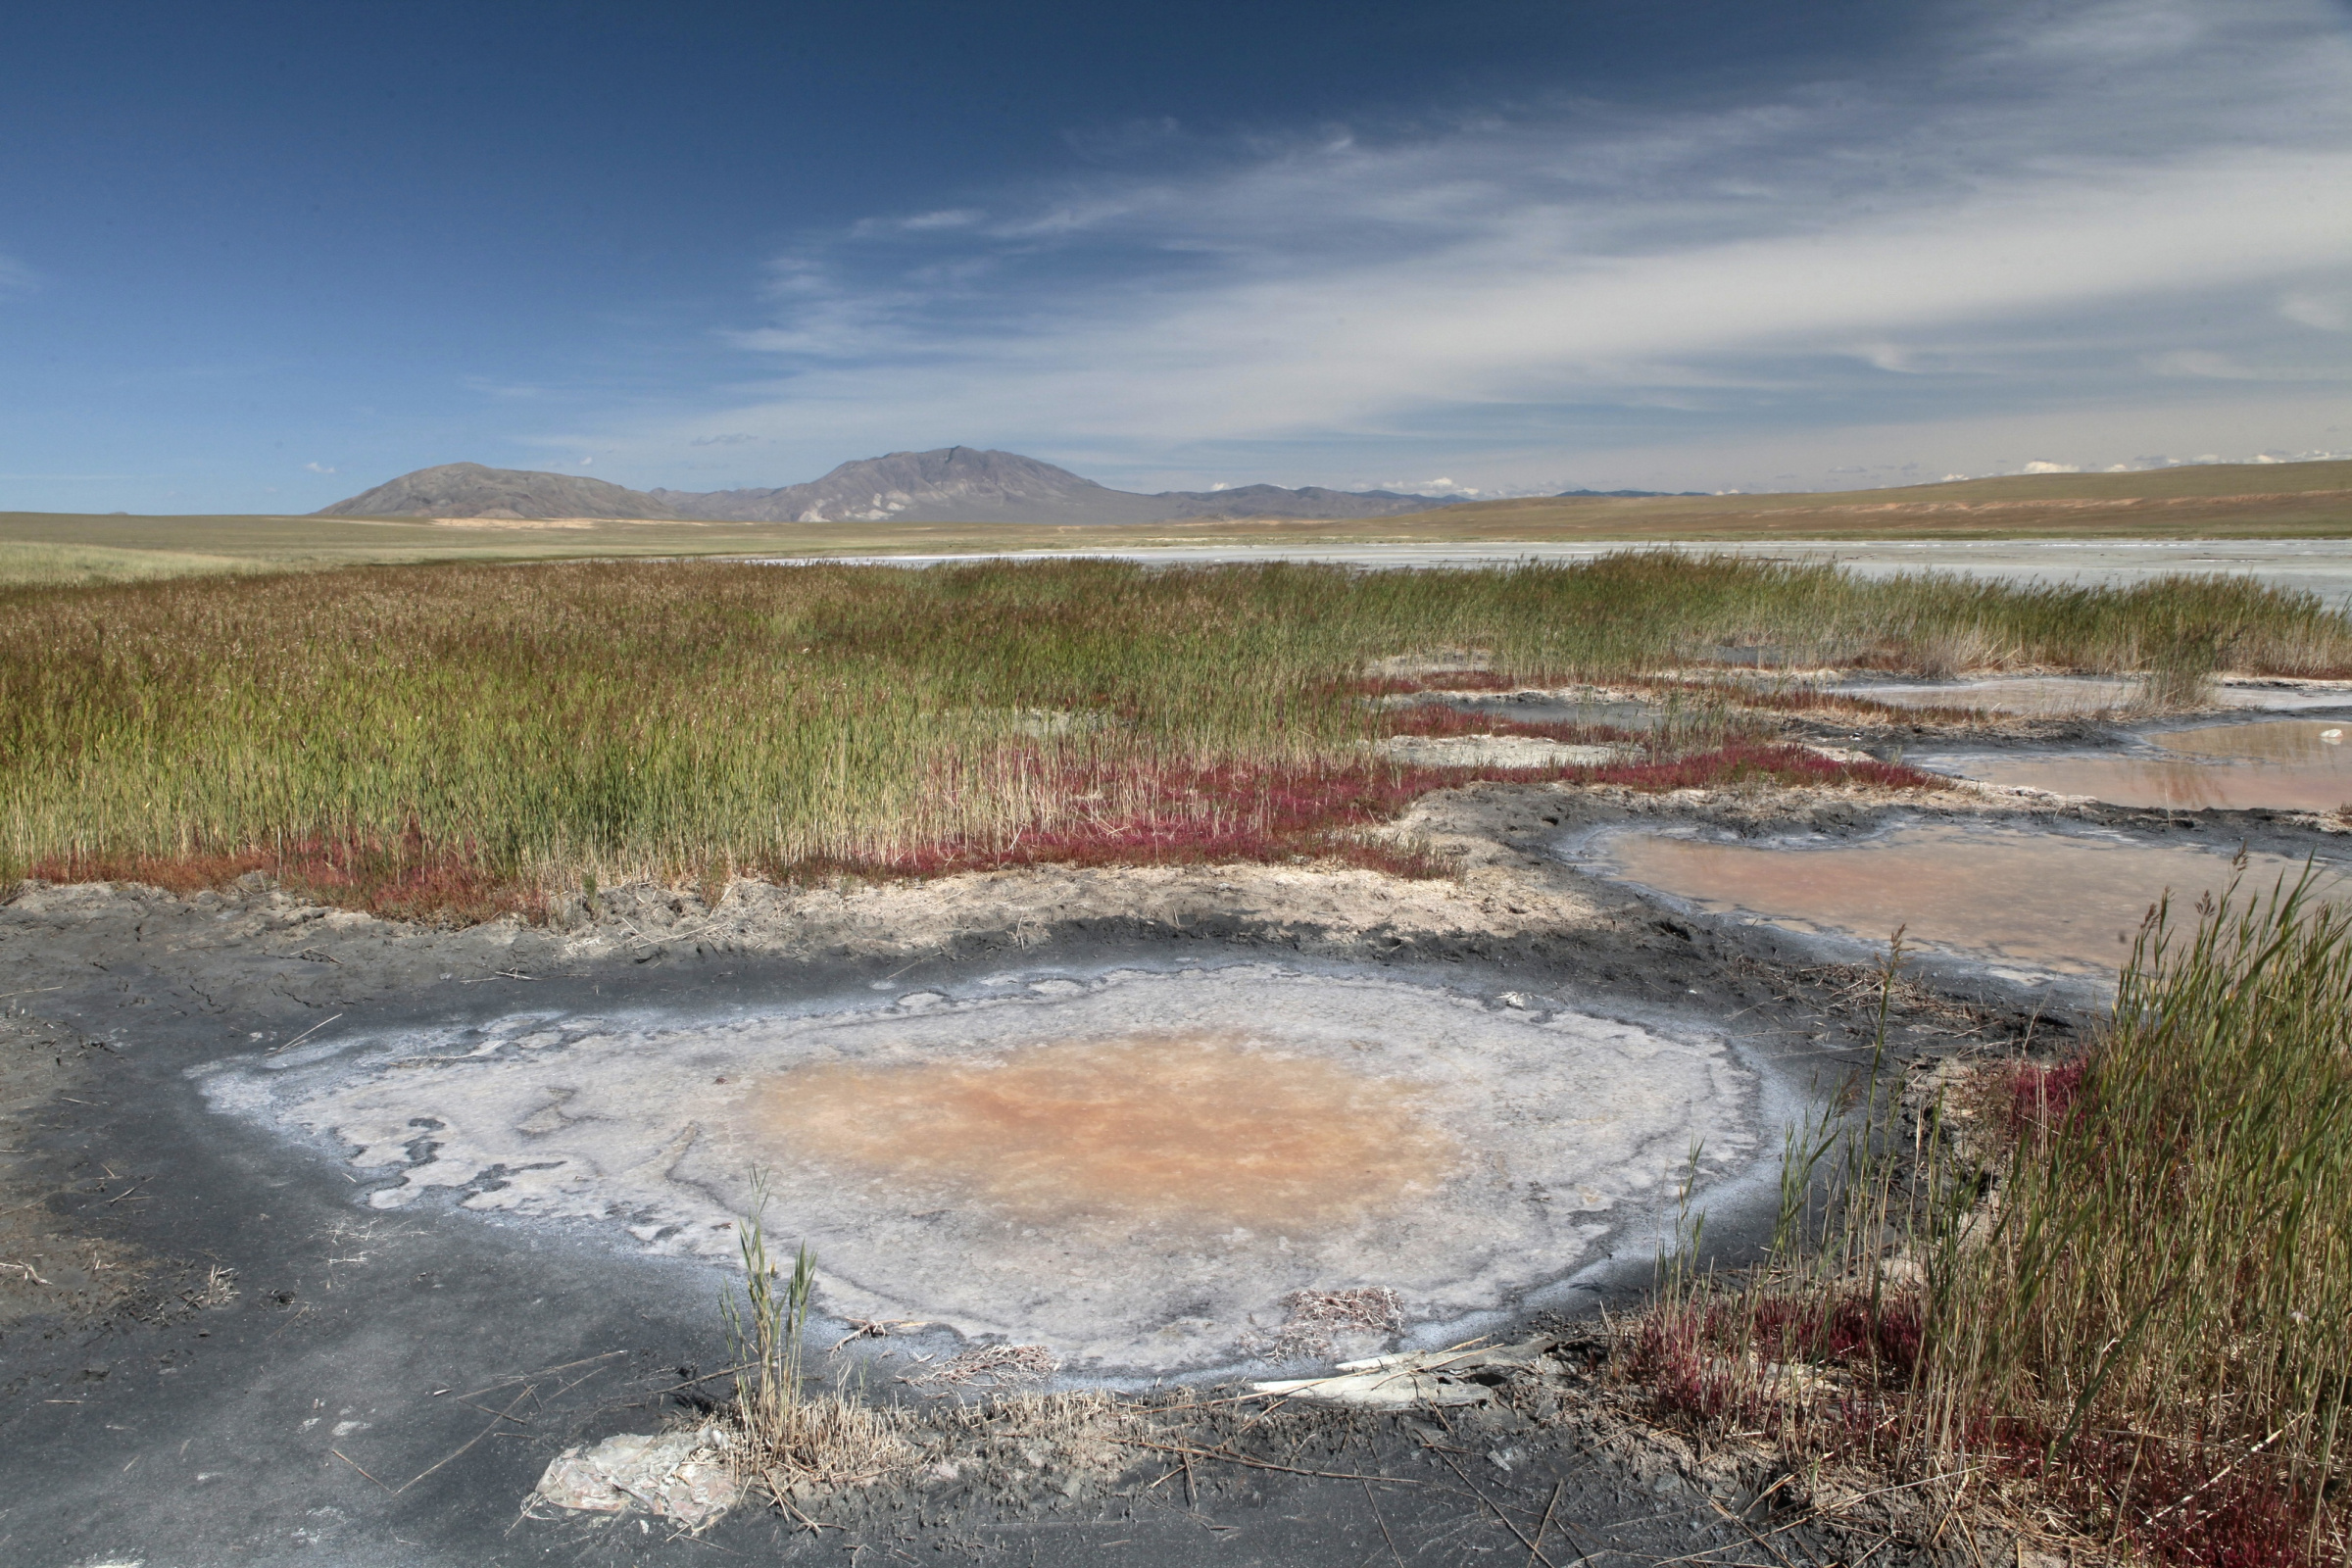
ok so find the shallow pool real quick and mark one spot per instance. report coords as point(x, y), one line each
point(2283, 764)
point(2064, 903)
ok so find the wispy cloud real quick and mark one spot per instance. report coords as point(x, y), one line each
point(318, 467)
point(15, 278)
point(2024, 212)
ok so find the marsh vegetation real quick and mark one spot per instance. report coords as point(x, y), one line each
point(463, 739)
point(2115, 1285)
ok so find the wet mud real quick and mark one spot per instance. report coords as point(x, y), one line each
point(1194, 1132)
point(373, 1378)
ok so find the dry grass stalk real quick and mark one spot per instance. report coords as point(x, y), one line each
point(988, 1365)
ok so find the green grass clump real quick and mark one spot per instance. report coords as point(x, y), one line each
point(461, 733)
point(2170, 1267)
point(2126, 1297)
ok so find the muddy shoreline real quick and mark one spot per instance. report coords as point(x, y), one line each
point(245, 1364)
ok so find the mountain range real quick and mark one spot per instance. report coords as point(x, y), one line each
point(952, 484)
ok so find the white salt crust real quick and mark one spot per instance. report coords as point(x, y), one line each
point(1570, 1129)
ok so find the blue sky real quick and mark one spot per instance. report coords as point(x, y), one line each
point(259, 257)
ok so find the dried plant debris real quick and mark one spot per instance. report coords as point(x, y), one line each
point(986, 1366)
point(818, 1447)
point(1320, 1321)
point(1427, 1379)
point(1024, 1455)
point(866, 1328)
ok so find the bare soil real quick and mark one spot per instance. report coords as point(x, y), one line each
point(210, 1355)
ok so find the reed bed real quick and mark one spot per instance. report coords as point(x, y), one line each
point(2124, 1297)
point(461, 739)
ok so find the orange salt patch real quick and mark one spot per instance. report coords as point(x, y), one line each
point(1185, 1129)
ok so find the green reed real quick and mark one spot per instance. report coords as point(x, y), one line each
point(616, 719)
point(2171, 1256)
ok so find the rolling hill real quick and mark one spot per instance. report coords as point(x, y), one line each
point(952, 484)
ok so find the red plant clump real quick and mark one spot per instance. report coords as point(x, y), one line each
point(1845, 1330)
point(1716, 1360)
point(1180, 814)
point(1720, 1362)
point(2042, 1096)
point(402, 878)
point(2180, 1504)
point(1751, 762)
point(1168, 814)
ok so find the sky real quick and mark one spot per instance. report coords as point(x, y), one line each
point(260, 257)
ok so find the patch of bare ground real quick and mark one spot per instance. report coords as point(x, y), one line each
point(61, 1263)
point(1517, 1413)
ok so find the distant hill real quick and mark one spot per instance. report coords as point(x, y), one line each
point(952, 484)
point(470, 490)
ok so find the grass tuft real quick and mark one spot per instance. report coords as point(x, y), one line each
point(2137, 1306)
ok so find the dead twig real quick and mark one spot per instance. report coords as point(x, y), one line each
point(1545, 1523)
point(507, 1414)
point(300, 1037)
point(356, 1465)
point(1535, 1553)
point(128, 1191)
point(1373, 1504)
point(2219, 1475)
point(543, 1372)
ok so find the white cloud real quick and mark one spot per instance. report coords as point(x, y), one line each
point(2025, 214)
point(2038, 465)
point(954, 217)
point(2328, 313)
point(318, 467)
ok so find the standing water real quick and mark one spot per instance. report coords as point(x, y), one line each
point(2065, 903)
point(2286, 764)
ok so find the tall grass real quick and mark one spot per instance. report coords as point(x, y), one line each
point(2141, 1309)
point(2165, 1286)
point(455, 732)
point(780, 1435)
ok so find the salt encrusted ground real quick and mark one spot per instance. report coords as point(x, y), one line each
point(1175, 1155)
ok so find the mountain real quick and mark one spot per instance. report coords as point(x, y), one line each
point(470, 490)
point(968, 484)
point(952, 484)
point(1310, 501)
